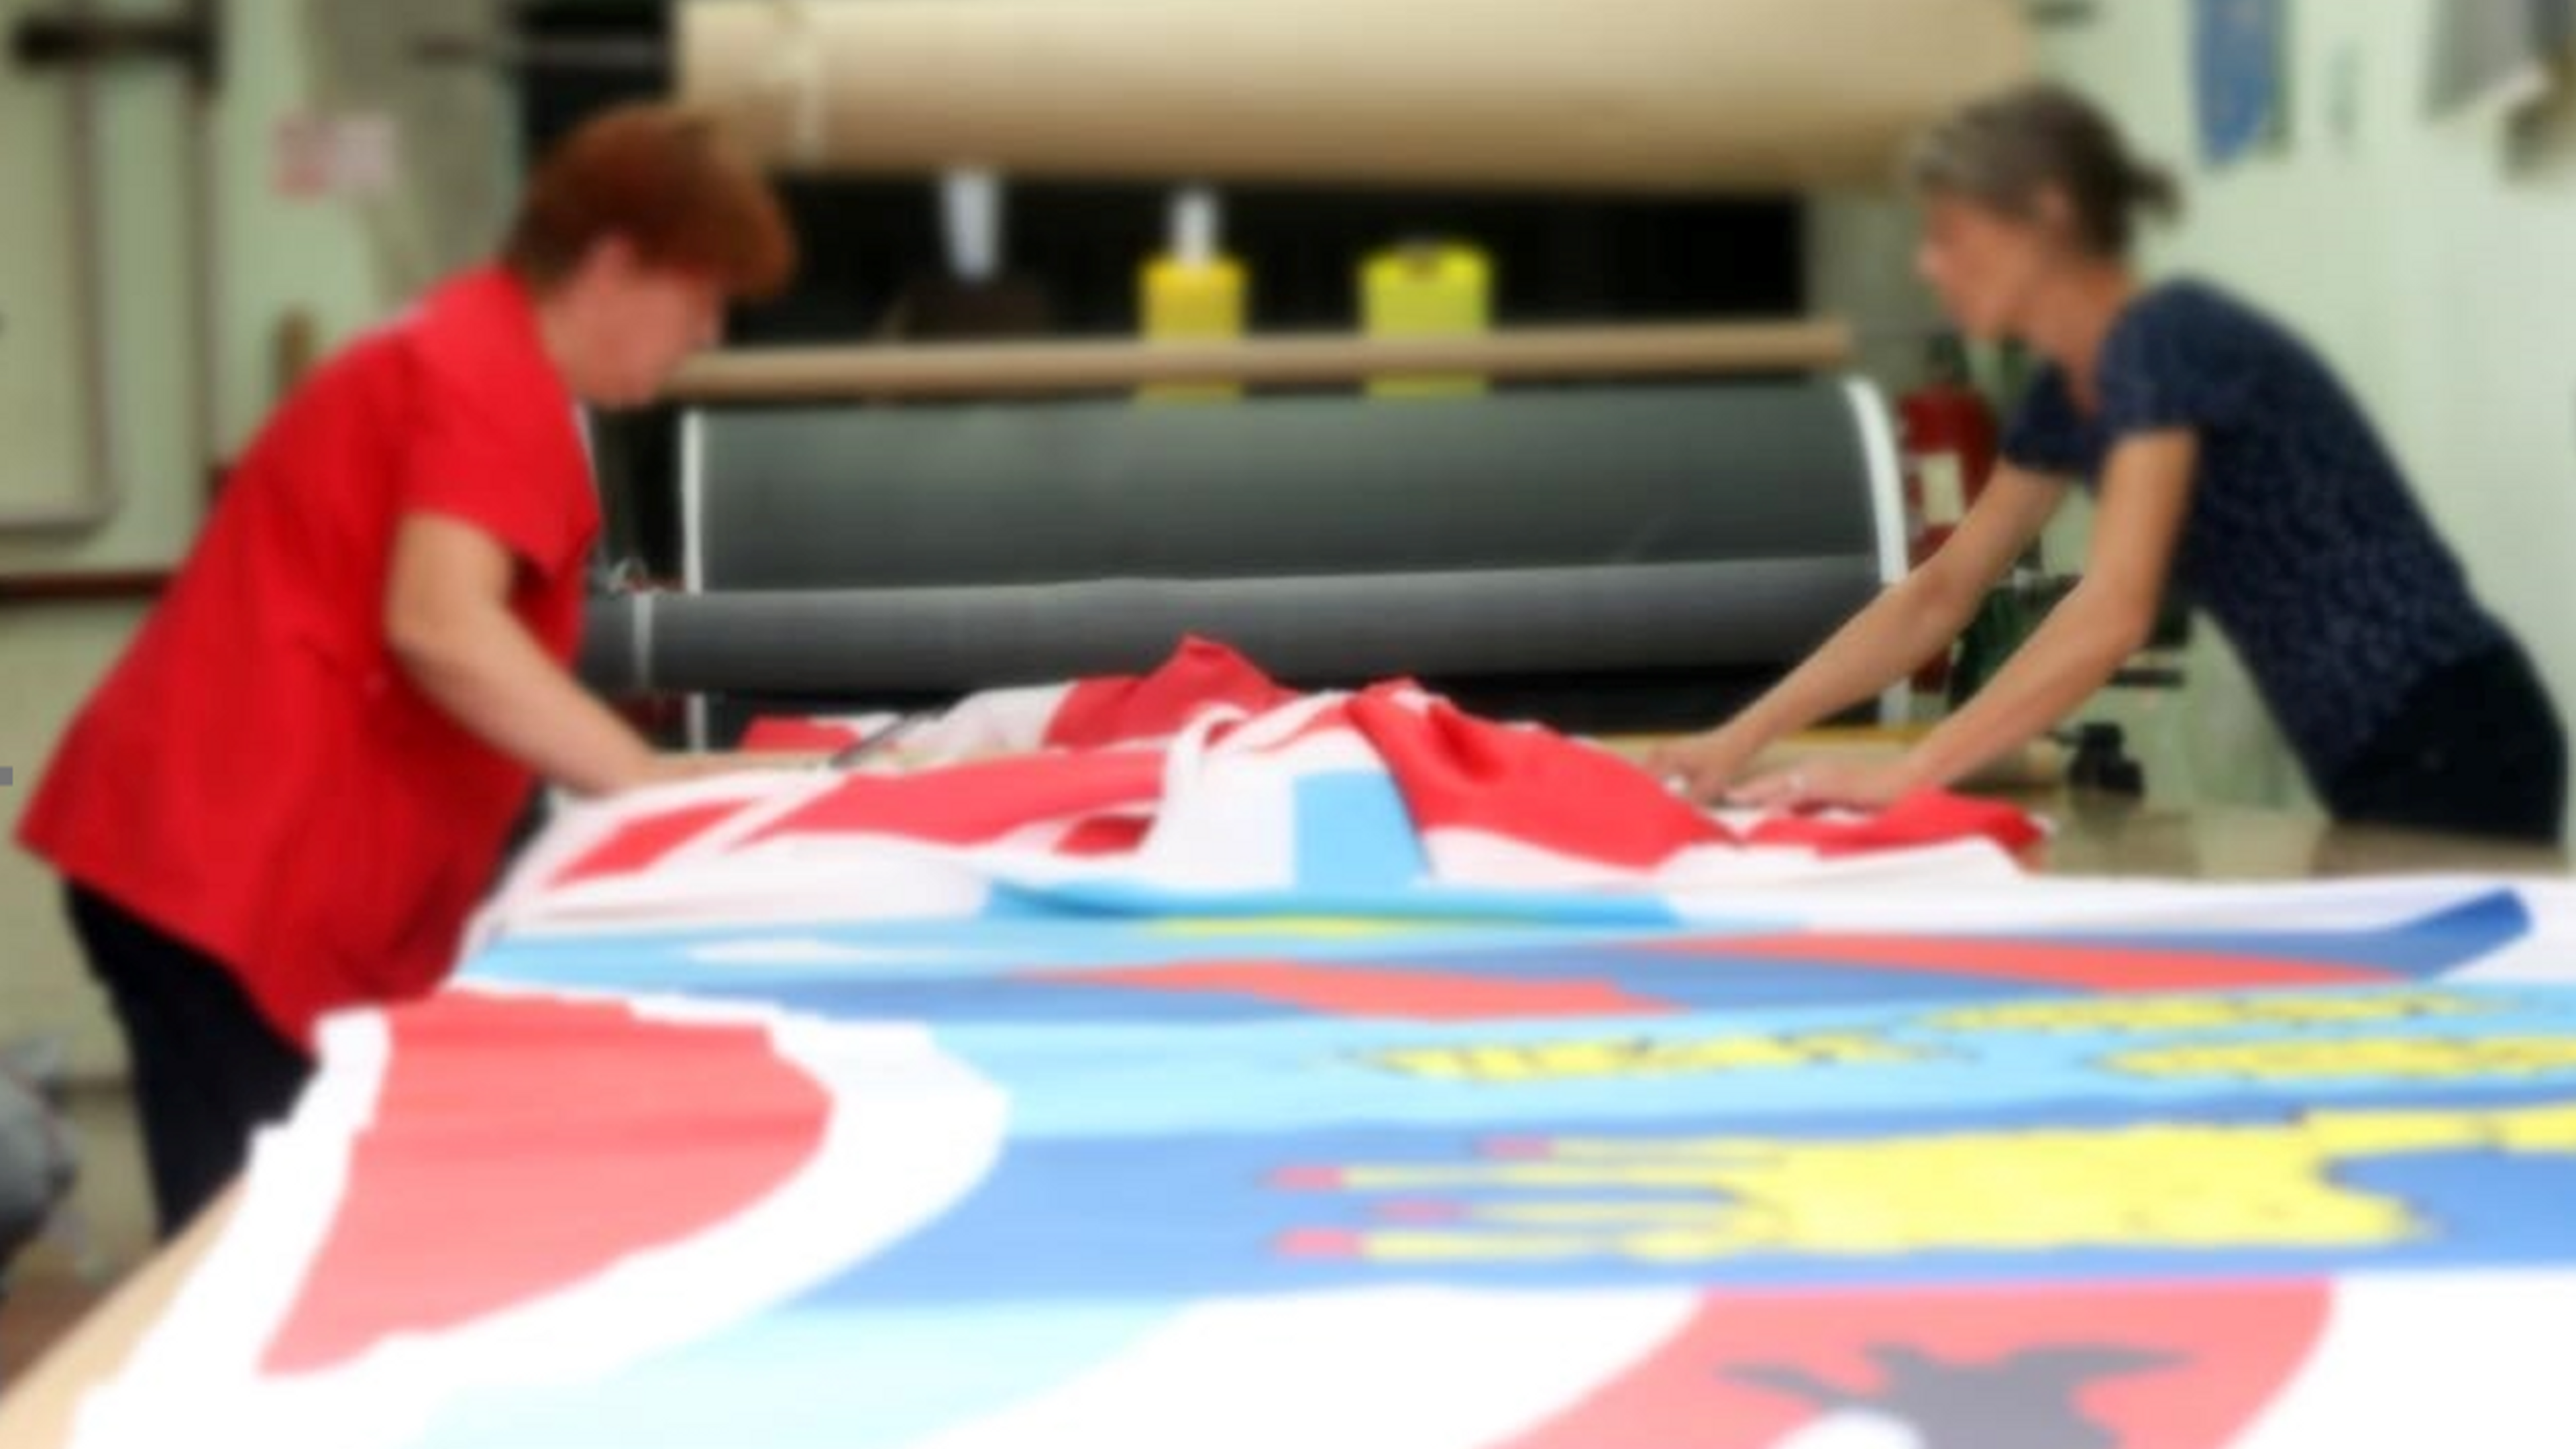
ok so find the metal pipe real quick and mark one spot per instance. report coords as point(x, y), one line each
point(101, 491)
point(1562, 619)
point(84, 38)
point(206, 258)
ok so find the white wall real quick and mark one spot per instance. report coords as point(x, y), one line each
point(267, 256)
point(141, 251)
point(2433, 263)
point(277, 256)
point(1860, 265)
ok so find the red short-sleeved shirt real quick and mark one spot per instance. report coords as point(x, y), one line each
point(257, 777)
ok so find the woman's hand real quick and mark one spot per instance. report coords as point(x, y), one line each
point(1828, 782)
point(1702, 767)
point(1906, 624)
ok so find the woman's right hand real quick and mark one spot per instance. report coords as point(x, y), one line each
point(1703, 766)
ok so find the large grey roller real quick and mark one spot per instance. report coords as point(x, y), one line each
point(854, 551)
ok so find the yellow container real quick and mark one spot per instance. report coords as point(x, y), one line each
point(1427, 290)
point(1187, 301)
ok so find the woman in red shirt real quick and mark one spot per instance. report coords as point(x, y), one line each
point(290, 791)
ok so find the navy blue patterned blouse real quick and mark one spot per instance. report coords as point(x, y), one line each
point(2302, 540)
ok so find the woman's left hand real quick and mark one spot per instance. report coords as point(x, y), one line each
point(1826, 782)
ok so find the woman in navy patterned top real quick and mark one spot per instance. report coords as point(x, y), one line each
point(2228, 463)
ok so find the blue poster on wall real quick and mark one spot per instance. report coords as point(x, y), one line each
point(2237, 61)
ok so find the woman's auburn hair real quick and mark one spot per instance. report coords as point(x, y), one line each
point(663, 178)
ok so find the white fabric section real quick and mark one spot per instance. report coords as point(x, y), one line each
point(912, 1131)
point(1227, 821)
point(820, 955)
point(1479, 858)
point(995, 722)
point(2053, 904)
point(1229, 813)
point(580, 827)
point(1420, 1368)
point(2433, 1359)
point(1854, 1429)
point(205, 1350)
point(857, 878)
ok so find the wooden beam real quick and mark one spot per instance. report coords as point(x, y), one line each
point(83, 588)
point(788, 374)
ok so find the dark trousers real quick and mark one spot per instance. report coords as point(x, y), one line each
point(2477, 749)
point(208, 1069)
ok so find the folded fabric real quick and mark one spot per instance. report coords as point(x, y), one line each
point(1200, 782)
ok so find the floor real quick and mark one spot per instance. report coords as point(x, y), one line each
point(106, 1235)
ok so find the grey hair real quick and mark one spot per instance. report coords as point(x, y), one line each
point(2003, 152)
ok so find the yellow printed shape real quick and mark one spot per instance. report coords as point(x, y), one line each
point(2148, 1186)
point(2207, 1013)
point(2454, 1059)
point(1556, 1061)
point(1306, 928)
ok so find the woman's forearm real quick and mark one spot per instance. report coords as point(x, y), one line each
point(1887, 640)
point(1912, 619)
point(2072, 654)
point(483, 669)
point(2146, 493)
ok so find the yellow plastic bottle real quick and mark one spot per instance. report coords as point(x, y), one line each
point(1427, 289)
point(1193, 293)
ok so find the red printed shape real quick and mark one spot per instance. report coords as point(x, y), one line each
point(522, 1145)
point(1332, 1245)
point(2078, 965)
point(1106, 835)
point(1200, 675)
point(2141, 1366)
point(1530, 785)
point(975, 803)
point(641, 843)
point(786, 732)
point(1363, 992)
